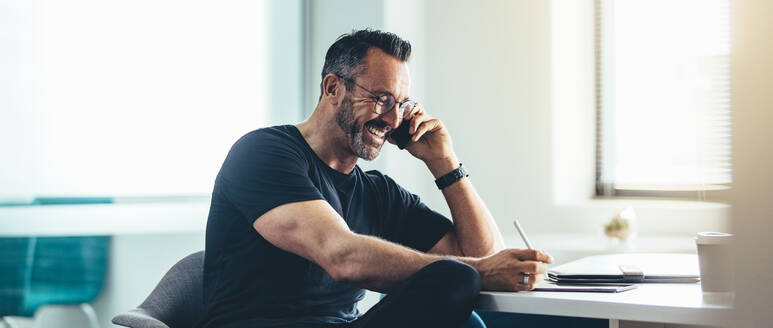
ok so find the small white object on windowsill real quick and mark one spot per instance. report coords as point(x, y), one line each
point(622, 227)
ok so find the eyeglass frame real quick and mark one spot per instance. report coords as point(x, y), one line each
point(380, 103)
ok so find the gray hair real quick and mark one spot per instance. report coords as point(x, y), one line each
point(345, 55)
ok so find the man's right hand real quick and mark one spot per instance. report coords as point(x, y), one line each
point(504, 270)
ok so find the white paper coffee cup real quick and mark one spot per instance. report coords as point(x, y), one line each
point(715, 259)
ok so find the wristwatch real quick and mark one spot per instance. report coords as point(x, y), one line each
point(451, 177)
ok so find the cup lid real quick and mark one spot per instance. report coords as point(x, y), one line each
point(713, 238)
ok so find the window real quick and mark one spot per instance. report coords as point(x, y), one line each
point(662, 97)
point(107, 98)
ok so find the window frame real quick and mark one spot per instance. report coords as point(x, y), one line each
point(603, 25)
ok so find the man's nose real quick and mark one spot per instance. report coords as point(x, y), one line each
point(393, 117)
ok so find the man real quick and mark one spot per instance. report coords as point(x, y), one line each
point(297, 230)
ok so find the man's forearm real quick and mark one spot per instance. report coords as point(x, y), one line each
point(379, 265)
point(476, 231)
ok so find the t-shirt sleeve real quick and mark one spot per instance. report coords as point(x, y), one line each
point(264, 170)
point(412, 223)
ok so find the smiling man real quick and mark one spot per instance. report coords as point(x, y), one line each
point(297, 230)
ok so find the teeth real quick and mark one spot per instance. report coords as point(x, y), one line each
point(377, 131)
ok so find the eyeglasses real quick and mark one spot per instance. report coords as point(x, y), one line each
point(387, 102)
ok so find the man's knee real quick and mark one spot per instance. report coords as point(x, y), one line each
point(441, 294)
point(456, 280)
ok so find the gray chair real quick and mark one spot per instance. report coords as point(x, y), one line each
point(175, 302)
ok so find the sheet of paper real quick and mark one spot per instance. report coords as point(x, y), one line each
point(546, 286)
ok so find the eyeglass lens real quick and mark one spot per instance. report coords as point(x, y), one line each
point(387, 103)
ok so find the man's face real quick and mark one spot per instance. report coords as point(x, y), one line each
point(366, 131)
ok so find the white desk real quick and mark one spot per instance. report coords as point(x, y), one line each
point(677, 304)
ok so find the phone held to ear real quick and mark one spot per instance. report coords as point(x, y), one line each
point(401, 135)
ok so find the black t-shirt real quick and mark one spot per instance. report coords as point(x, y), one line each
point(248, 282)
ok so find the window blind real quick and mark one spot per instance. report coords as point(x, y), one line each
point(662, 95)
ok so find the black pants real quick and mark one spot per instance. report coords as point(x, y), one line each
point(441, 294)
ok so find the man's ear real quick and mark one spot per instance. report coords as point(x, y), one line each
point(333, 88)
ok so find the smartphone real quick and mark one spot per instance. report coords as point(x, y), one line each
point(401, 136)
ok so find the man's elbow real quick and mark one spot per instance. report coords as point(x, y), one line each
point(342, 273)
point(342, 264)
point(481, 250)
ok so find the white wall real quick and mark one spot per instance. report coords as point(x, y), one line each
point(512, 81)
point(285, 85)
point(752, 103)
point(489, 81)
point(326, 21)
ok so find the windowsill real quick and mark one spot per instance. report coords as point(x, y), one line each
point(105, 219)
point(652, 203)
point(654, 216)
point(565, 247)
point(686, 193)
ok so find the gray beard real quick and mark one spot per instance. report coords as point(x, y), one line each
point(354, 132)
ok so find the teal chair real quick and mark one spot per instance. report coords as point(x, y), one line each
point(35, 271)
point(15, 267)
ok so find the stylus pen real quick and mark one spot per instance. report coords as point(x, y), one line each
point(526, 241)
point(523, 234)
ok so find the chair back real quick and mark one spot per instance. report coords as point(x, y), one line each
point(177, 300)
point(38, 271)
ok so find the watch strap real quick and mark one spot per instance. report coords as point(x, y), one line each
point(451, 177)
